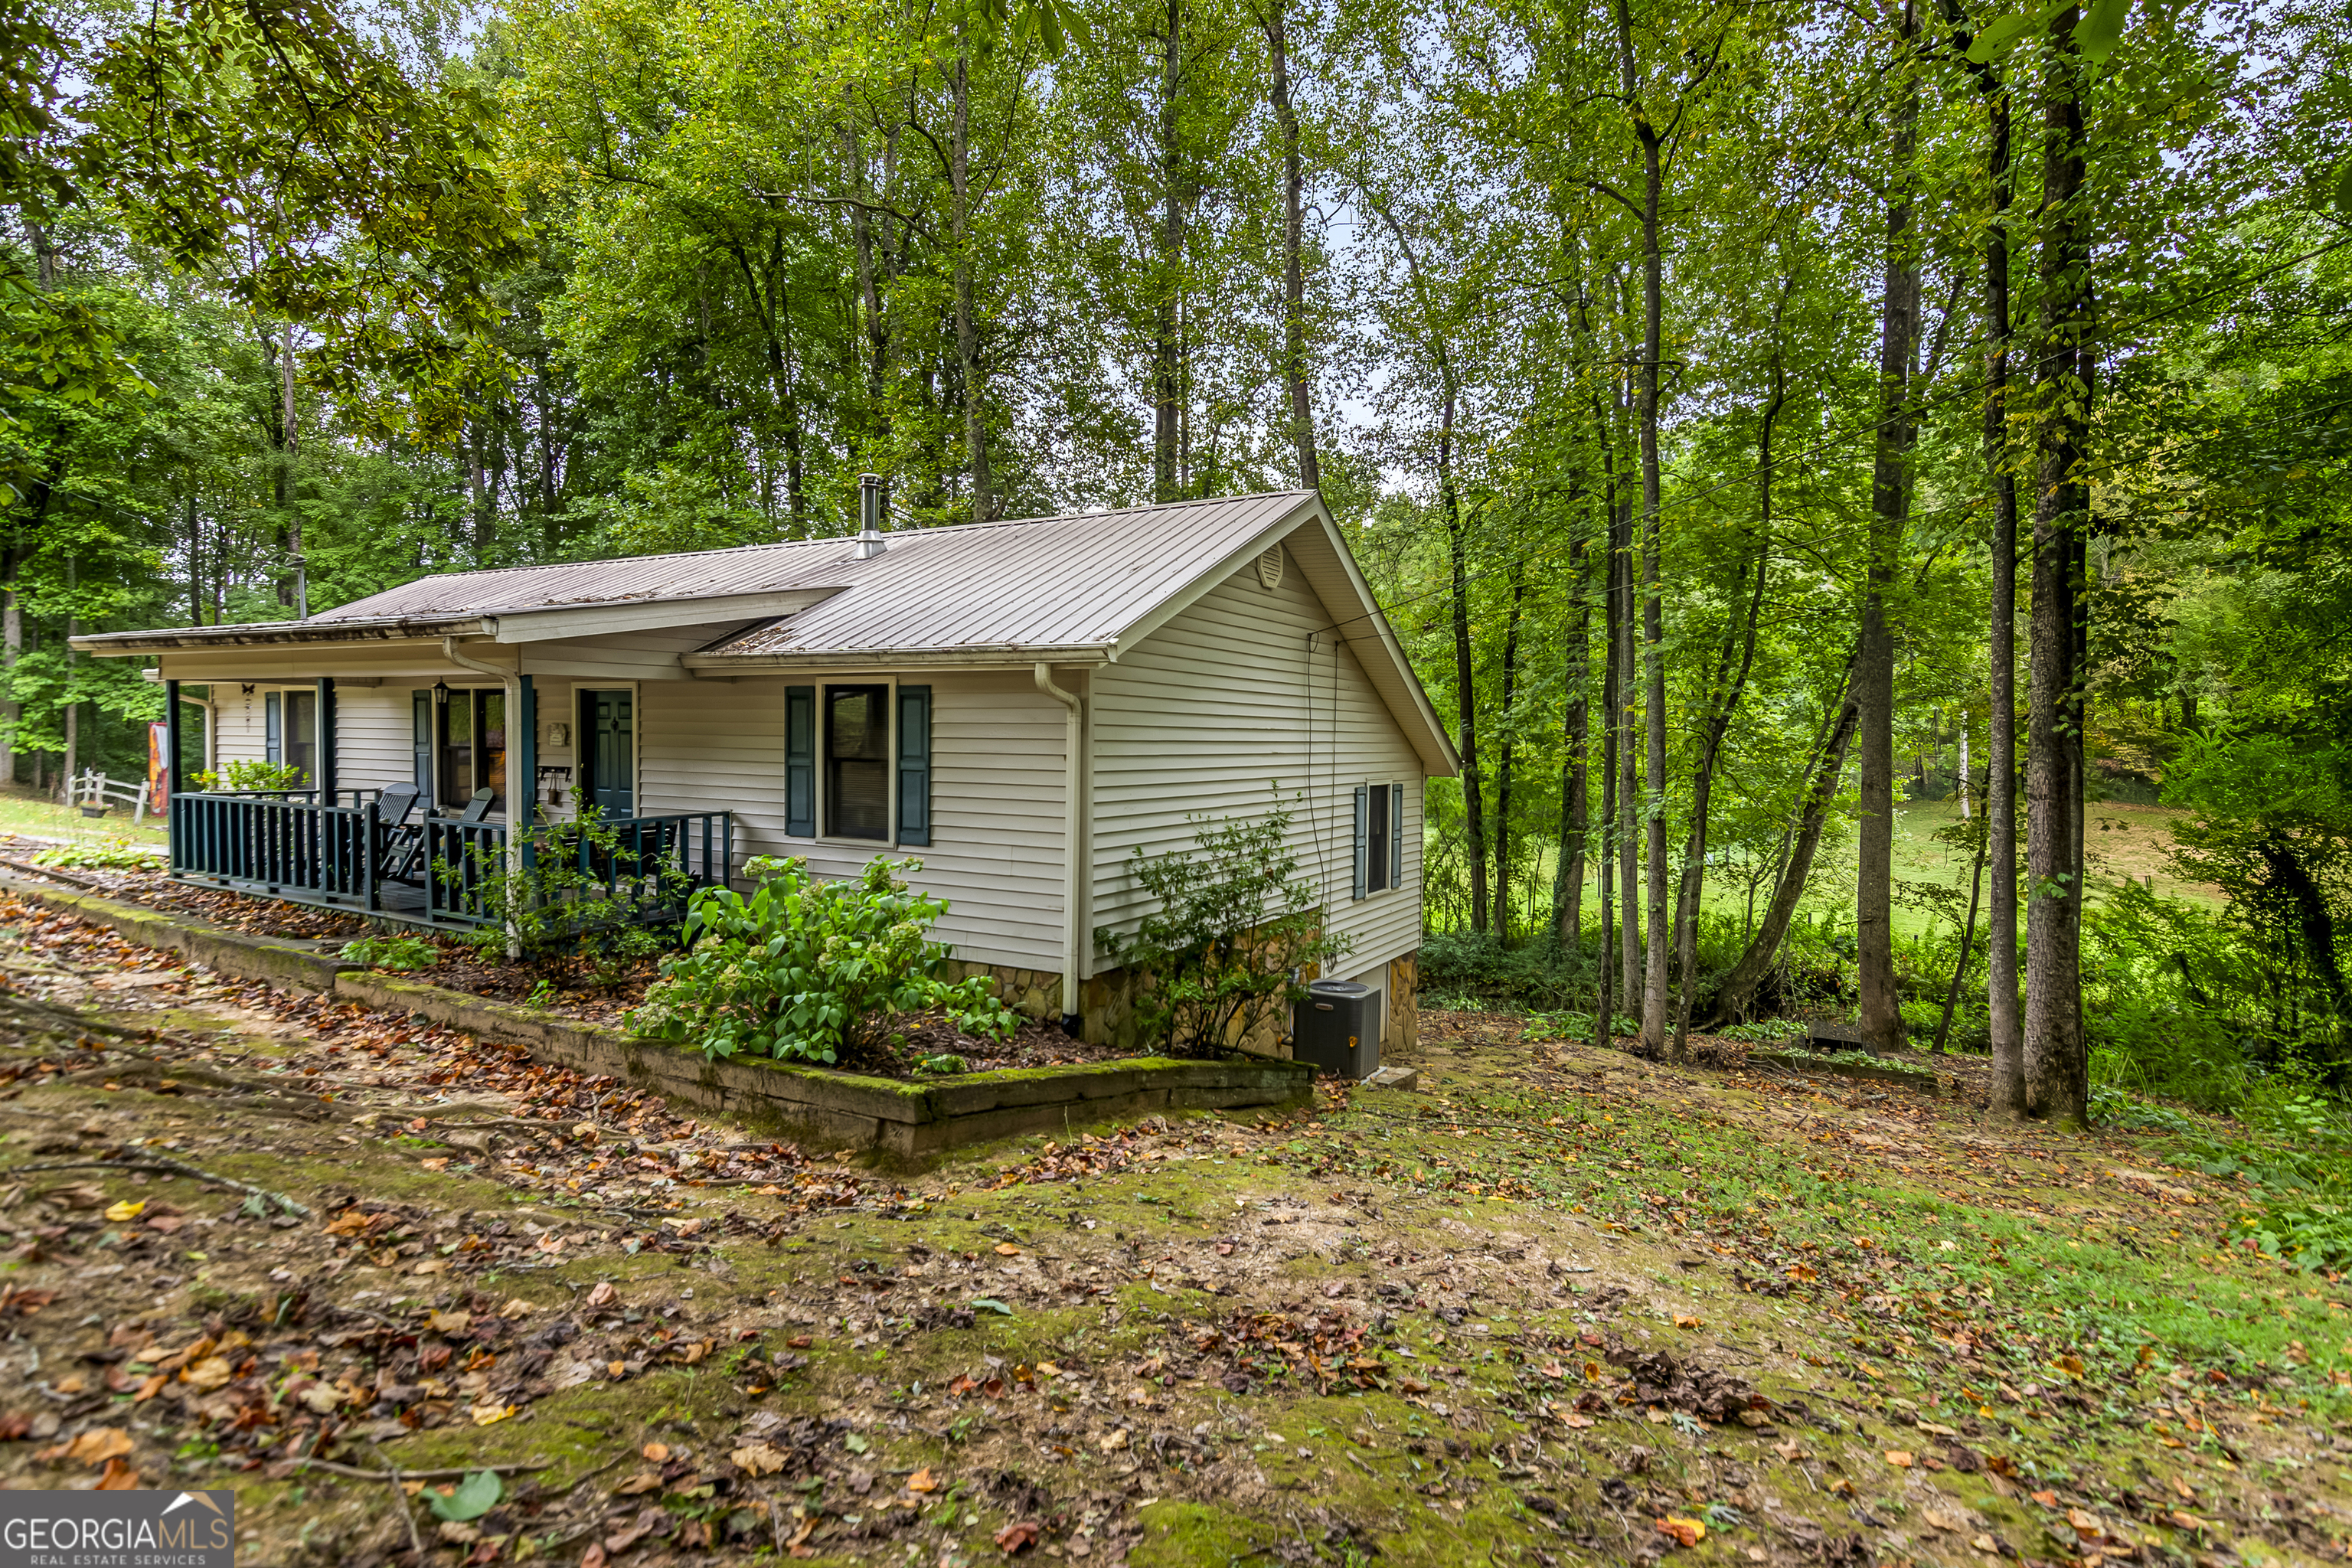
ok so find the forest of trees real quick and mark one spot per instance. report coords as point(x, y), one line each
point(1745, 410)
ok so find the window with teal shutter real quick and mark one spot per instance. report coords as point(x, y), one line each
point(800, 760)
point(273, 729)
point(1364, 835)
point(420, 741)
point(1396, 835)
point(914, 764)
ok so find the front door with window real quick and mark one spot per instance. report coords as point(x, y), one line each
point(608, 753)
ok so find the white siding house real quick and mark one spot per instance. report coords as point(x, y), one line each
point(1022, 705)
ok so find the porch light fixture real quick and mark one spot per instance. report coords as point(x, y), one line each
point(441, 691)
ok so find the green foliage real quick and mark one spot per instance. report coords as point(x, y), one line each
point(244, 773)
point(469, 1499)
point(391, 952)
point(108, 857)
point(579, 909)
point(806, 969)
point(1233, 926)
point(945, 1063)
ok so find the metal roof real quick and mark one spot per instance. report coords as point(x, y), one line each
point(1030, 583)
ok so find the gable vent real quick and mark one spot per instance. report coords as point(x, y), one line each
point(1269, 568)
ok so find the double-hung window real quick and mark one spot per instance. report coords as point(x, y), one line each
point(857, 762)
point(1379, 837)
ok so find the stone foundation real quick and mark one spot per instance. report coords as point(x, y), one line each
point(1106, 1003)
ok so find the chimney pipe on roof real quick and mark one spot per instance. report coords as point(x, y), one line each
point(870, 543)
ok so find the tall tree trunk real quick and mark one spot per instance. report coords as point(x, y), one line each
point(2008, 1087)
point(1654, 651)
point(1503, 769)
point(12, 645)
point(1294, 231)
point(2055, 1069)
point(1726, 690)
point(1575, 769)
point(1732, 996)
point(1466, 670)
point(1604, 1003)
point(1890, 499)
point(1167, 346)
point(1629, 755)
point(967, 324)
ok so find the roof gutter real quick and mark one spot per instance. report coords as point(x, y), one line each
point(1002, 657)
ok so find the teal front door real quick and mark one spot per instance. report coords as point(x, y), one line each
point(608, 748)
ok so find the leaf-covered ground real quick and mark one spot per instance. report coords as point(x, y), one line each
point(1561, 1306)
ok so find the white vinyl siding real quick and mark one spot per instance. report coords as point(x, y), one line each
point(1211, 707)
point(995, 853)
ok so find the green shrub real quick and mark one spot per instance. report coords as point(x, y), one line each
point(804, 969)
point(391, 952)
point(559, 912)
point(1236, 925)
point(102, 858)
point(244, 775)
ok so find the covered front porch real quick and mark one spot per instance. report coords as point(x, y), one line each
point(411, 779)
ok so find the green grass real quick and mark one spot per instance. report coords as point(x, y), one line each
point(26, 815)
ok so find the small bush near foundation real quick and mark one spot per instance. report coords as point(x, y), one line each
point(1236, 924)
point(804, 969)
point(391, 952)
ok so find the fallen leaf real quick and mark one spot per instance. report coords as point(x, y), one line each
point(1579, 1422)
point(922, 1480)
point(1114, 1441)
point(125, 1210)
point(1684, 1531)
point(1014, 1538)
point(1006, 1249)
point(449, 1323)
point(2180, 1484)
point(655, 1453)
point(1938, 1431)
point(98, 1444)
point(1790, 1451)
point(120, 1478)
point(594, 1556)
point(604, 1295)
point(518, 1307)
point(2047, 1500)
point(1899, 1458)
point(1985, 1543)
point(207, 1375)
point(1937, 1520)
point(758, 1459)
point(491, 1415)
point(1685, 1321)
point(639, 1484)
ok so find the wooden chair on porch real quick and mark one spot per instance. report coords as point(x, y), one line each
point(404, 841)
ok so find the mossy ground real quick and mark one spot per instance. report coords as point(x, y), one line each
point(1377, 1330)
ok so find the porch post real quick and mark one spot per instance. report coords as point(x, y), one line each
point(172, 783)
point(522, 754)
point(326, 738)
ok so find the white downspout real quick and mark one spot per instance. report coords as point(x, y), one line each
point(1074, 867)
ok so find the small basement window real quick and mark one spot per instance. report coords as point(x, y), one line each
point(857, 761)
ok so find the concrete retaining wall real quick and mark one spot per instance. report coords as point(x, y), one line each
point(811, 1103)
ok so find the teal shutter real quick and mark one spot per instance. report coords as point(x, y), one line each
point(1396, 835)
point(914, 764)
point(1363, 834)
point(273, 729)
point(421, 744)
point(800, 760)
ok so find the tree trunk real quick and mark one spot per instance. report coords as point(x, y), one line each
point(1575, 771)
point(1731, 997)
point(1466, 683)
point(1629, 867)
point(967, 325)
point(1604, 999)
point(1167, 349)
point(1890, 496)
point(2056, 1071)
point(1503, 771)
point(12, 645)
point(1727, 688)
point(1294, 276)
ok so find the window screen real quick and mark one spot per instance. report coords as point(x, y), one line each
point(857, 761)
point(1376, 860)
